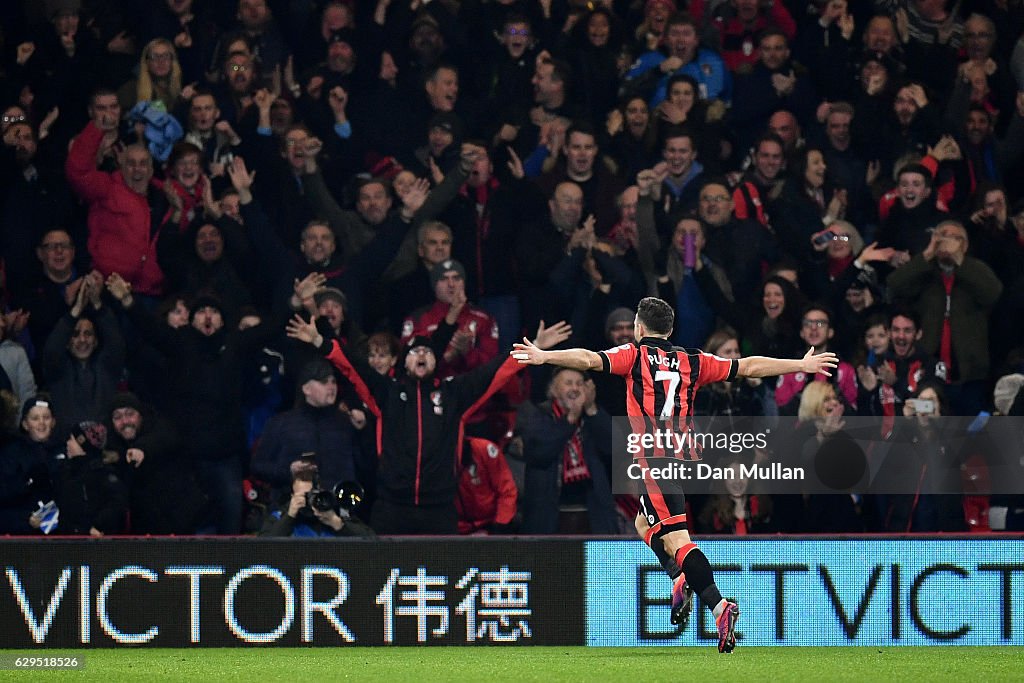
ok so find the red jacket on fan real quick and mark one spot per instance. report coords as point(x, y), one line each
point(487, 492)
point(120, 239)
point(483, 348)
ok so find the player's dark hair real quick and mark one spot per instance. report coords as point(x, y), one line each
point(656, 315)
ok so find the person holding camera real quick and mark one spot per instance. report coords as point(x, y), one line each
point(954, 294)
point(923, 453)
point(312, 512)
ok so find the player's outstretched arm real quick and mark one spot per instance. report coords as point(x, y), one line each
point(811, 363)
point(529, 353)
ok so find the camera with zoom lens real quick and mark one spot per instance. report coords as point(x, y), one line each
point(321, 500)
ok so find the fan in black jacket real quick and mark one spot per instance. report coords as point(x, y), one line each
point(419, 424)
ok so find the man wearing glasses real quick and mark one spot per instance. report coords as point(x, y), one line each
point(816, 331)
point(52, 284)
point(954, 294)
point(738, 246)
point(238, 86)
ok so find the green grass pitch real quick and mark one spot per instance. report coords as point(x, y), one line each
point(542, 664)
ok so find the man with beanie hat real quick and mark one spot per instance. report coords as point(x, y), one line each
point(473, 334)
point(206, 314)
point(163, 495)
point(204, 394)
point(618, 326)
point(444, 144)
point(91, 498)
point(611, 389)
point(314, 425)
point(419, 426)
point(332, 304)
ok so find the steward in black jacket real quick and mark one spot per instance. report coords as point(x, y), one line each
point(419, 426)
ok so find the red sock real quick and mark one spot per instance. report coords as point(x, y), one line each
point(683, 552)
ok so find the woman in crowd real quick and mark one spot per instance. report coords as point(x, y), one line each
point(28, 466)
point(159, 79)
point(744, 397)
point(809, 203)
point(632, 136)
point(922, 456)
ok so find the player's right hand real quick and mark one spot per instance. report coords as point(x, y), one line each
point(822, 363)
point(527, 353)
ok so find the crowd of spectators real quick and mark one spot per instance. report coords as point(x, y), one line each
point(201, 199)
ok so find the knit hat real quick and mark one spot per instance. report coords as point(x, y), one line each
point(55, 8)
point(892, 66)
point(91, 436)
point(316, 370)
point(204, 301)
point(383, 167)
point(418, 340)
point(619, 315)
point(1006, 391)
point(125, 399)
point(448, 122)
point(331, 294)
point(34, 402)
point(443, 268)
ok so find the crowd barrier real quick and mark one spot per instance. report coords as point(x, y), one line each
point(875, 591)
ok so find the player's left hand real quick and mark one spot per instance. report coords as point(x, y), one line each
point(819, 363)
point(528, 353)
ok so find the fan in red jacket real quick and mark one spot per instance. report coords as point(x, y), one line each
point(125, 212)
point(487, 495)
point(475, 339)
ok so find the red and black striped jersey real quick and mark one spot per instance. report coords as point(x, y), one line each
point(661, 379)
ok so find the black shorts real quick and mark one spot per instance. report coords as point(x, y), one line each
point(665, 512)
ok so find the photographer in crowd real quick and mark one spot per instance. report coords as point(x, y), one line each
point(312, 512)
